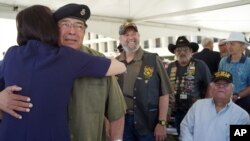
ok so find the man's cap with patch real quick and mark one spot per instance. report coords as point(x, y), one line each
point(223, 75)
point(72, 10)
point(123, 28)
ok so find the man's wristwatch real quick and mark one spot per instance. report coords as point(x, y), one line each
point(163, 122)
point(238, 97)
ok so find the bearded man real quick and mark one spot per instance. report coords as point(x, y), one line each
point(189, 78)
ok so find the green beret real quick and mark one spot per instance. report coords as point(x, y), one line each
point(72, 10)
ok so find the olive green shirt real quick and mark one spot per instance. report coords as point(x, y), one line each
point(92, 99)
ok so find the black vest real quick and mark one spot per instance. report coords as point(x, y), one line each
point(188, 84)
point(147, 90)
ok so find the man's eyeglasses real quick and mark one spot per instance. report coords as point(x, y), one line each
point(233, 43)
point(217, 84)
point(229, 43)
point(178, 50)
point(222, 44)
point(77, 26)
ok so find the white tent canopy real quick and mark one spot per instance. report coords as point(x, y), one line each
point(155, 18)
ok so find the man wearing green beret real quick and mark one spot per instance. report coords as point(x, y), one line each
point(92, 99)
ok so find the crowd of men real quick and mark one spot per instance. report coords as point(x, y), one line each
point(196, 88)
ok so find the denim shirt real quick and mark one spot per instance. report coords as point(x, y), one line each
point(240, 71)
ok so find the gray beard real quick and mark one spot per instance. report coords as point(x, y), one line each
point(130, 50)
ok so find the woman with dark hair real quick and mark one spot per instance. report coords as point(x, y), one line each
point(46, 73)
point(29, 28)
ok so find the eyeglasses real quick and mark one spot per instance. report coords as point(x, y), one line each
point(178, 50)
point(233, 43)
point(222, 44)
point(229, 43)
point(77, 26)
point(217, 84)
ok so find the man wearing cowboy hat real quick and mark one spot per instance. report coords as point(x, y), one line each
point(189, 78)
point(239, 66)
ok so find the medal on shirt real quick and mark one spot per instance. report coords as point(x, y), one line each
point(189, 78)
point(185, 83)
point(183, 95)
point(190, 71)
point(173, 80)
point(173, 74)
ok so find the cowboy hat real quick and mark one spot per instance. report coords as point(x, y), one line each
point(183, 42)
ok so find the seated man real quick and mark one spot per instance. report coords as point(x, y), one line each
point(209, 119)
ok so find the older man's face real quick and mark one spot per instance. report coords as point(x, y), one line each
point(71, 32)
point(183, 54)
point(222, 90)
point(223, 47)
point(235, 47)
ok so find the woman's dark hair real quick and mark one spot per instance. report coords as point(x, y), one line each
point(36, 23)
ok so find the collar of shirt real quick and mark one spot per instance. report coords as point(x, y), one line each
point(242, 59)
point(226, 106)
point(206, 49)
point(138, 55)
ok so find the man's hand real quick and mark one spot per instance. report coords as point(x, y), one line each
point(107, 128)
point(160, 133)
point(11, 102)
point(114, 129)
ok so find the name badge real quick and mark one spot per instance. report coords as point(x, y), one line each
point(183, 96)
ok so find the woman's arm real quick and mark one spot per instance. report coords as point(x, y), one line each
point(116, 67)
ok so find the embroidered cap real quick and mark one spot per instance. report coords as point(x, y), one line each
point(123, 28)
point(223, 75)
point(72, 10)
